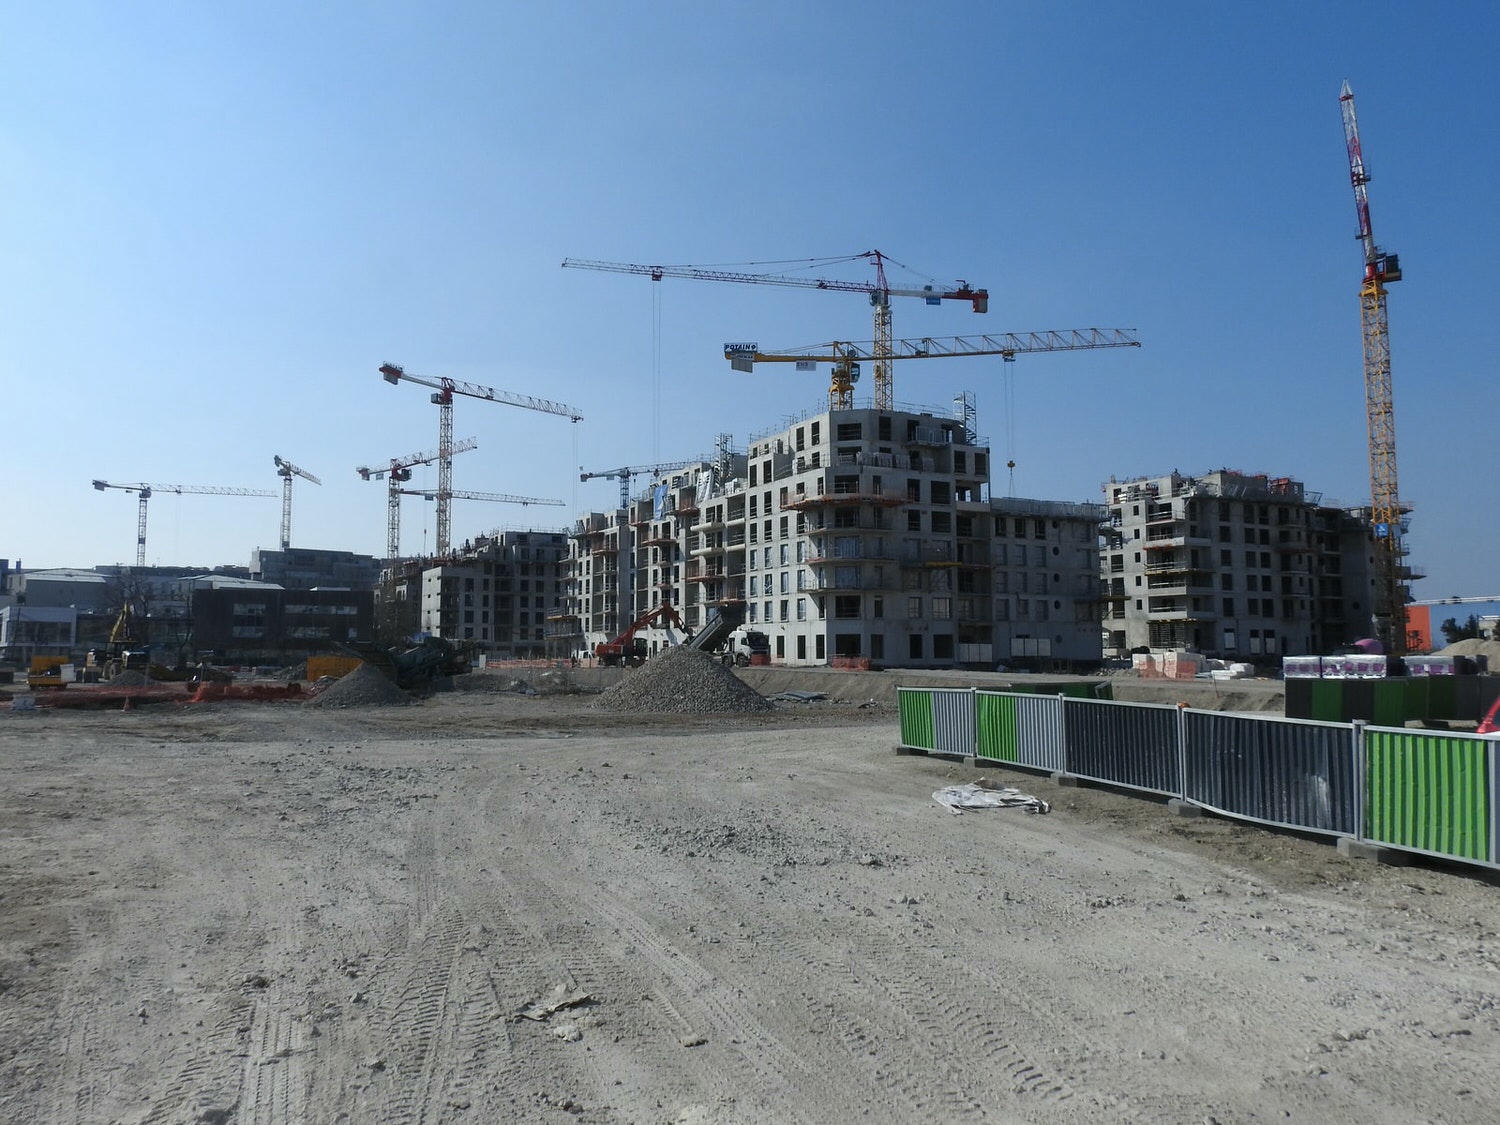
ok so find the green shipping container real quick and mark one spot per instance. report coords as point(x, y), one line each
point(1429, 792)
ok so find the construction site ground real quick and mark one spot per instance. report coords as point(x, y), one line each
point(271, 913)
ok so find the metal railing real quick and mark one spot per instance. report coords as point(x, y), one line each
point(1429, 792)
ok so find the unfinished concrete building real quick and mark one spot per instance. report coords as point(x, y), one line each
point(852, 536)
point(1046, 582)
point(1233, 565)
point(498, 593)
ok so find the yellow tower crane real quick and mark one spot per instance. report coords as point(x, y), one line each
point(846, 357)
point(1387, 516)
point(879, 292)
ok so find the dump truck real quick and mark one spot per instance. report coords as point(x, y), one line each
point(716, 636)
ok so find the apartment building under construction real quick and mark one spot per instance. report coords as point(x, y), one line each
point(497, 592)
point(1234, 565)
point(852, 536)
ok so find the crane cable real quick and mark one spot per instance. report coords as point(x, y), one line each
point(1010, 424)
point(656, 372)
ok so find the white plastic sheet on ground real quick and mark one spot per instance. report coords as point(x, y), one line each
point(980, 795)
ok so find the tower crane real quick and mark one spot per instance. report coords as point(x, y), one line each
point(286, 471)
point(145, 492)
point(879, 292)
point(845, 356)
point(397, 473)
point(492, 497)
point(625, 472)
point(444, 389)
point(1386, 512)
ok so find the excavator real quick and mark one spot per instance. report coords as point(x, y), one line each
point(627, 649)
point(125, 648)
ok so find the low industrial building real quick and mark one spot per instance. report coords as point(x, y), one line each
point(245, 623)
point(27, 631)
point(304, 568)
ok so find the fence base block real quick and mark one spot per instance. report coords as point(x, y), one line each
point(1359, 849)
point(903, 751)
point(1064, 779)
point(1184, 808)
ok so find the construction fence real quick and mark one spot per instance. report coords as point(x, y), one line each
point(1429, 792)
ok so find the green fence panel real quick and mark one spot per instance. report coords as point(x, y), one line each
point(1327, 701)
point(996, 727)
point(1428, 791)
point(916, 718)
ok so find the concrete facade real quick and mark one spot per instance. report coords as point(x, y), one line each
point(1232, 565)
point(856, 535)
point(300, 568)
point(500, 594)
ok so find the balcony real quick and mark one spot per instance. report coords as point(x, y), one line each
point(864, 522)
point(873, 554)
point(929, 554)
point(842, 496)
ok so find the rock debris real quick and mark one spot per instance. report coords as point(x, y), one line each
point(366, 686)
point(682, 681)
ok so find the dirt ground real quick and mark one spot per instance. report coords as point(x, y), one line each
point(264, 913)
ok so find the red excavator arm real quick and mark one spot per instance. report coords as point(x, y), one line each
point(621, 648)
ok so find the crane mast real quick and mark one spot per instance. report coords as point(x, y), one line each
point(444, 389)
point(397, 473)
point(1386, 513)
point(286, 471)
point(144, 492)
point(879, 293)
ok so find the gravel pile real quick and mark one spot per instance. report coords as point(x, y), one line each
point(682, 681)
point(131, 678)
point(366, 686)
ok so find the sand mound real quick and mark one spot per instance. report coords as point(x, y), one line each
point(682, 681)
point(366, 686)
point(1475, 647)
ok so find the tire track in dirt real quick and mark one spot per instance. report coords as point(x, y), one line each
point(948, 1049)
point(607, 967)
point(75, 1088)
point(271, 1088)
point(206, 1087)
point(762, 1063)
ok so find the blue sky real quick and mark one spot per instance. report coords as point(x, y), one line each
point(218, 220)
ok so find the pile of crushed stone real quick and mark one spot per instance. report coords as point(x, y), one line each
point(131, 678)
point(366, 686)
point(682, 681)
